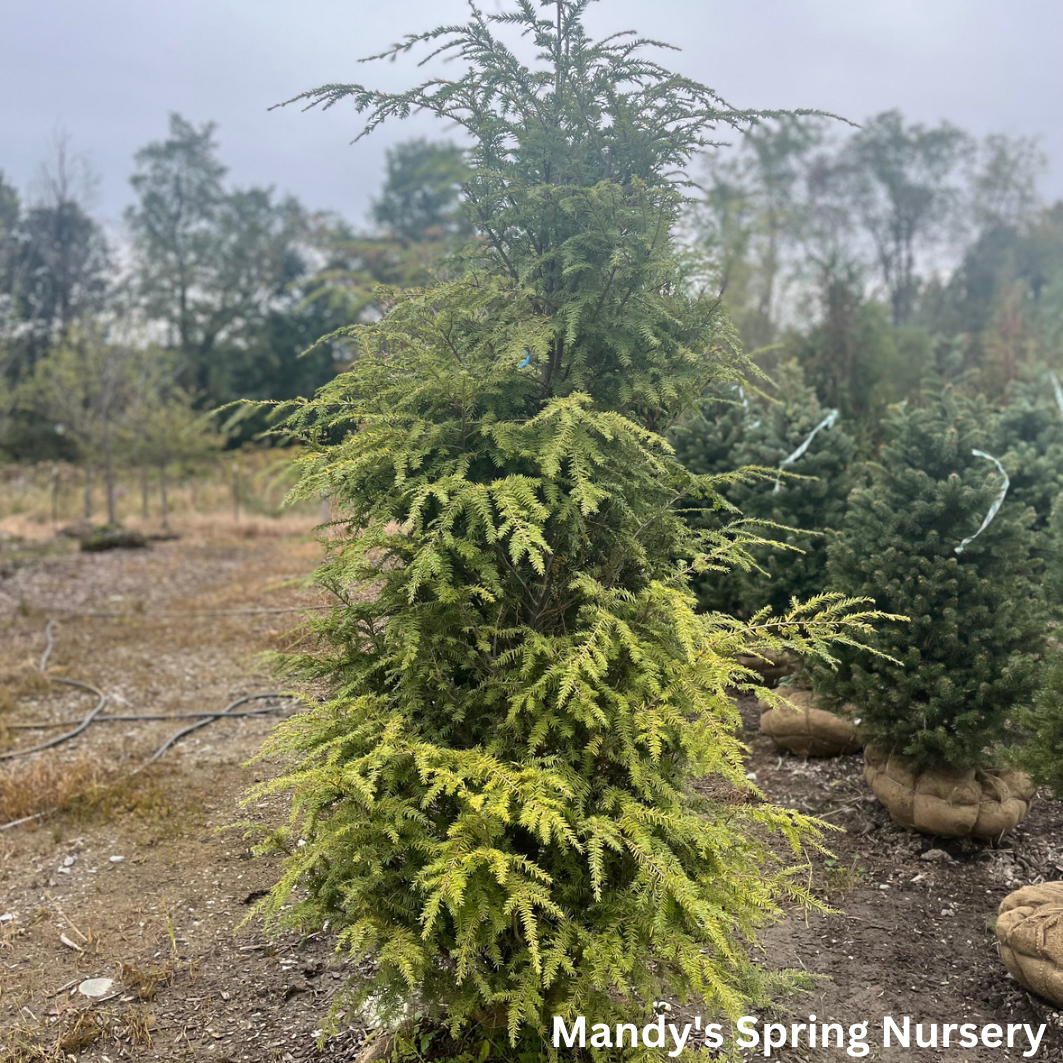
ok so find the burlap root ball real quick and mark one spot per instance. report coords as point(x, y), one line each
point(771, 667)
point(805, 730)
point(1030, 938)
point(950, 801)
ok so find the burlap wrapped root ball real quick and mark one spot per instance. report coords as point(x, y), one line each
point(946, 800)
point(799, 727)
point(771, 666)
point(1030, 938)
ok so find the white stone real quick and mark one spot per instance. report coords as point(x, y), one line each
point(96, 987)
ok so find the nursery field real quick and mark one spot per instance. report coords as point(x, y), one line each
point(142, 875)
point(142, 878)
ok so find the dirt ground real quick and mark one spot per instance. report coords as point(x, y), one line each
point(148, 887)
point(148, 884)
point(916, 934)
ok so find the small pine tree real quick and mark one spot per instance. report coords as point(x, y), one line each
point(1029, 439)
point(968, 658)
point(495, 804)
point(1040, 753)
point(750, 430)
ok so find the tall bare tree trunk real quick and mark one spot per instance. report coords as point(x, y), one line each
point(162, 493)
point(108, 473)
point(144, 491)
point(55, 497)
point(88, 491)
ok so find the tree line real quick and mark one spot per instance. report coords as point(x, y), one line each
point(116, 348)
point(876, 255)
point(870, 256)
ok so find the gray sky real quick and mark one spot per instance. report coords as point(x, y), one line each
point(110, 71)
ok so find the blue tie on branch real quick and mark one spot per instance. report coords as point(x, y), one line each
point(995, 506)
point(827, 422)
point(527, 359)
point(1058, 390)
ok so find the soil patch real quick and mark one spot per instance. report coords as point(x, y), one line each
point(144, 881)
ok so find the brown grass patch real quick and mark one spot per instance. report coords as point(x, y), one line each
point(30, 1044)
point(45, 784)
point(135, 1026)
point(20, 681)
point(84, 1031)
point(145, 983)
point(83, 791)
point(23, 1044)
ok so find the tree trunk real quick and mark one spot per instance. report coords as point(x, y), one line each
point(108, 472)
point(88, 491)
point(162, 493)
point(144, 491)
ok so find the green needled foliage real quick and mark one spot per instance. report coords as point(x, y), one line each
point(1041, 725)
point(968, 658)
point(1029, 435)
point(496, 804)
point(747, 429)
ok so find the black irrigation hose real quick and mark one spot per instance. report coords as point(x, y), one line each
point(49, 635)
point(139, 717)
point(203, 723)
point(202, 718)
point(89, 717)
point(196, 613)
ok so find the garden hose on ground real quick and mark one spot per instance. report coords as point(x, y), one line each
point(94, 715)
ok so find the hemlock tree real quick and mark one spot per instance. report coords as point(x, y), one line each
point(496, 806)
point(761, 433)
point(968, 658)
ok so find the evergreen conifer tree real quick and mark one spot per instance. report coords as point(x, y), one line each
point(737, 429)
point(1029, 439)
point(968, 658)
point(1040, 753)
point(495, 804)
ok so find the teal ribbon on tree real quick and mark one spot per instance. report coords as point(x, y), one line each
point(827, 422)
point(1058, 390)
point(745, 405)
point(995, 507)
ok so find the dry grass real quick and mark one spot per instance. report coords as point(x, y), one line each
point(135, 1027)
point(21, 681)
point(146, 983)
point(40, 1043)
point(45, 784)
point(26, 495)
point(80, 790)
point(221, 525)
point(86, 1029)
point(23, 1044)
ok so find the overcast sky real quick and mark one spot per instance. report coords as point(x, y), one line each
point(110, 71)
